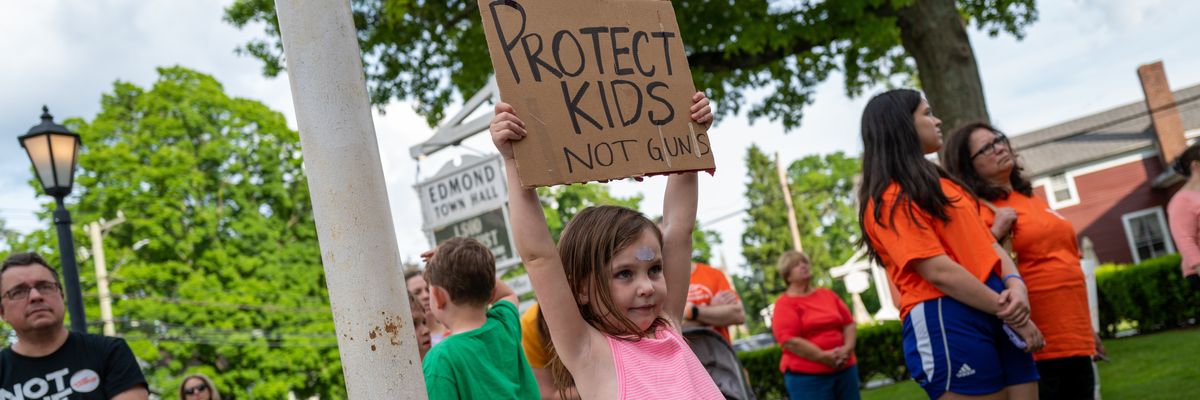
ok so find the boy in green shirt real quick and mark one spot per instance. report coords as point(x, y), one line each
point(482, 358)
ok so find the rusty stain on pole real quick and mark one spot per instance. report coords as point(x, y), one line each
point(350, 202)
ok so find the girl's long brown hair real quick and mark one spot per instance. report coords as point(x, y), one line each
point(587, 246)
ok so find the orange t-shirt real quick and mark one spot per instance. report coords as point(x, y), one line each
point(901, 241)
point(705, 283)
point(531, 339)
point(1048, 258)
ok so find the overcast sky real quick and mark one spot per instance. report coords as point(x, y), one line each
point(1080, 57)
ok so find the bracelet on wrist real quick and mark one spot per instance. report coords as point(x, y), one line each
point(1011, 276)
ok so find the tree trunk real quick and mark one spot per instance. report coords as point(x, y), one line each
point(935, 35)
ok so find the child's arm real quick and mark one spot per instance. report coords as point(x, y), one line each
point(679, 218)
point(537, 249)
point(502, 292)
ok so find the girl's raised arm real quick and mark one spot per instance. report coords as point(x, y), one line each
point(679, 219)
point(536, 247)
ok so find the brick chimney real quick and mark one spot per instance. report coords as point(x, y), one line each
point(1168, 124)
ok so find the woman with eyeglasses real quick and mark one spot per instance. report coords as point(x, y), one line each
point(1046, 253)
point(198, 387)
point(965, 313)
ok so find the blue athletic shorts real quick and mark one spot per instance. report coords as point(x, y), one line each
point(951, 347)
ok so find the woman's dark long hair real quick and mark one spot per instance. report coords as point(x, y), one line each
point(956, 158)
point(892, 152)
point(1183, 164)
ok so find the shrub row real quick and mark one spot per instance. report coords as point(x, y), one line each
point(1151, 295)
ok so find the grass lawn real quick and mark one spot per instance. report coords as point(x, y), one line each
point(1163, 365)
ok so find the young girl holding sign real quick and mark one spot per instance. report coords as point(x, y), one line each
point(613, 291)
point(926, 230)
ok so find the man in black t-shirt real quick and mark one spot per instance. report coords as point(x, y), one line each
point(48, 362)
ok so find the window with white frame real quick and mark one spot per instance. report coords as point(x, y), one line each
point(1147, 233)
point(1062, 189)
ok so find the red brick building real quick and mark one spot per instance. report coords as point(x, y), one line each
point(1108, 172)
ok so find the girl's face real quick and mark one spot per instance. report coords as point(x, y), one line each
point(636, 281)
point(929, 128)
point(419, 289)
point(421, 327)
point(992, 157)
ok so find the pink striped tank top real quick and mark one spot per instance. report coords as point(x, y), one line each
point(660, 368)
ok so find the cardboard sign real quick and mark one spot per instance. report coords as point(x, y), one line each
point(489, 228)
point(603, 87)
point(463, 191)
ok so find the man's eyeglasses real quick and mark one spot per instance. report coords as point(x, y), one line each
point(992, 147)
point(22, 291)
point(195, 389)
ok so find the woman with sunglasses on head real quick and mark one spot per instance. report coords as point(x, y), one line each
point(966, 329)
point(198, 387)
point(1047, 256)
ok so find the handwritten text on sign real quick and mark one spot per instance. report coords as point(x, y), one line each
point(603, 87)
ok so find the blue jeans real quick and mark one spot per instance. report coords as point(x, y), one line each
point(841, 385)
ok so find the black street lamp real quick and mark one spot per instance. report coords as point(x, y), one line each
point(52, 149)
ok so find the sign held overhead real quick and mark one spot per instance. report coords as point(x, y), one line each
point(603, 87)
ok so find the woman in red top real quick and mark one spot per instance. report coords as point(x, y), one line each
point(816, 332)
point(1046, 253)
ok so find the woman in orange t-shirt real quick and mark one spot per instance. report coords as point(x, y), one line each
point(966, 330)
point(1046, 252)
point(816, 332)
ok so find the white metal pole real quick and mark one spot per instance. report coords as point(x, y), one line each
point(350, 202)
point(106, 315)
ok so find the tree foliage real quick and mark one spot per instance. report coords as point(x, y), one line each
point(822, 190)
point(217, 269)
point(739, 50)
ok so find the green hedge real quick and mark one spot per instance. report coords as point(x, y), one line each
point(879, 350)
point(1151, 295)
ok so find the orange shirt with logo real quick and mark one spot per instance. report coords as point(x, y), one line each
point(1048, 258)
point(901, 241)
point(705, 283)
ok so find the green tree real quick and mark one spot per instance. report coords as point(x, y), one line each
point(8, 237)
point(703, 242)
point(217, 269)
point(429, 51)
point(823, 195)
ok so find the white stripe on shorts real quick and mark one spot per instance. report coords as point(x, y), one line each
point(945, 342)
point(924, 345)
